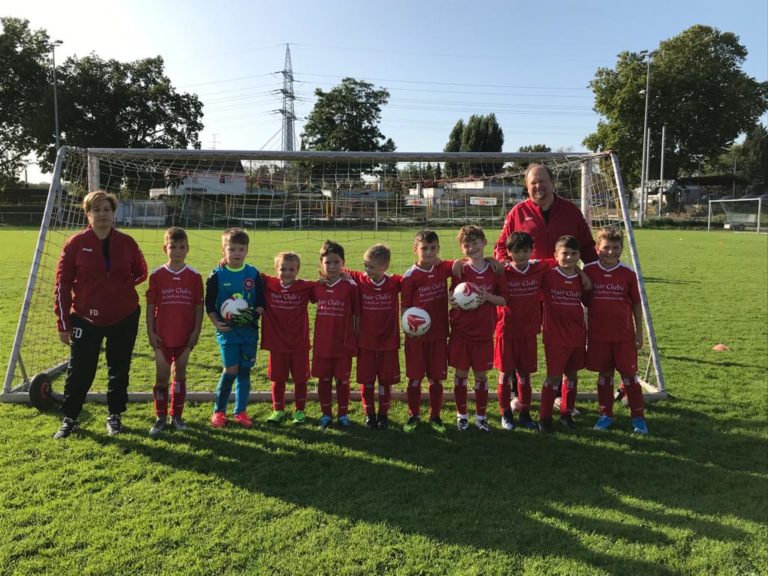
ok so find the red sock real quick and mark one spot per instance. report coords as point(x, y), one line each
point(160, 398)
point(605, 395)
point(503, 393)
point(385, 397)
point(460, 394)
point(481, 397)
point(278, 395)
point(547, 401)
point(435, 398)
point(524, 391)
point(300, 395)
point(342, 396)
point(634, 396)
point(367, 397)
point(178, 397)
point(324, 394)
point(568, 395)
point(414, 397)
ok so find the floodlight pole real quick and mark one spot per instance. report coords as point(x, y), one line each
point(643, 170)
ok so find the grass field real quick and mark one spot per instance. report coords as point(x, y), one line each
point(689, 499)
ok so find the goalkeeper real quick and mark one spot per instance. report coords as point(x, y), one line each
point(231, 283)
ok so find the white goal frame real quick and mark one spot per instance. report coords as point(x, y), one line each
point(17, 380)
point(738, 224)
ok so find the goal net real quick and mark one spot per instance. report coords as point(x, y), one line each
point(290, 201)
point(737, 214)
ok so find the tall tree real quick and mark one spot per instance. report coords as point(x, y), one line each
point(535, 148)
point(479, 134)
point(697, 89)
point(454, 145)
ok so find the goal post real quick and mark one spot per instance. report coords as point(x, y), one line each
point(291, 201)
point(737, 214)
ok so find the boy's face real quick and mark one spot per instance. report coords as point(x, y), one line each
point(426, 253)
point(287, 271)
point(567, 258)
point(473, 249)
point(374, 268)
point(519, 257)
point(176, 250)
point(235, 254)
point(609, 252)
point(331, 266)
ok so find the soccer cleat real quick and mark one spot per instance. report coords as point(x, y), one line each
point(276, 417)
point(68, 425)
point(370, 422)
point(412, 424)
point(114, 424)
point(382, 421)
point(567, 421)
point(639, 426)
point(526, 421)
point(159, 425)
point(603, 423)
point(482, 424)
point(178, 424)
point(325, 421)
point(299, 417)
point(462, 424)
point(507, 421)
point(437, 425)
point(545, 426)
point(344, 421)
point(219, 420)
point(243, 419)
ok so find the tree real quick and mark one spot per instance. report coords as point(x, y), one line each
point(454, 145)
point(535, 148)
point(697, 89)
point(479, 134)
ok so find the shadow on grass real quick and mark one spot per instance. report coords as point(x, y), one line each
point(722, 363)
point(518, 493)
point(654, 280)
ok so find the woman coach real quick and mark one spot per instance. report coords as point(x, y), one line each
point(96, 299)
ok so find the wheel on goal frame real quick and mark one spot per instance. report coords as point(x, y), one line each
point(41, 393)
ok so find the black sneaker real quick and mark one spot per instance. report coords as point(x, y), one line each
point(526, 421)
point(370, 421)
point(546, 426)
point(114, 424)
point(412, 424)
point(382, 421)
point(68, 425)
point(567, 421)
point(159, 425)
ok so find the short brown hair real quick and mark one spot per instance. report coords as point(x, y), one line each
point(380, 253)
point(567, 242)
point(97, 196)
point(470, 232)
point(426, 237)
point(531, 167)
point(611, 234)
point(331, 247)
point(519, 240)
point(287, 257)
point(175, 234)
point(235, 236)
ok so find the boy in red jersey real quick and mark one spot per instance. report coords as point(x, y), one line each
point(615, 329)
point(425, 284)
point(379, 339)
point(285, 333)
point(174, 319)
point(335, 338)
point(471, 341)
point(564, 333)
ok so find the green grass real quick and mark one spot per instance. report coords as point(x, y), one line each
point(689, 499)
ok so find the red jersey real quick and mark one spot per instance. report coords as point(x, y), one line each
point(563, 313)
point(172, 298)
point(428, 289)
point(379, 311)
point(285, 324)
point(613, 296)
point(96, 279)
point(477, 325)
point(522, 315)
point(337, 305)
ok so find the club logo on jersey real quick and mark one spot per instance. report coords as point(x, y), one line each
point(248, 284)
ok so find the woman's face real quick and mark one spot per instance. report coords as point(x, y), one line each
point(101, 215)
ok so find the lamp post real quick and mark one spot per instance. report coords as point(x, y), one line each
point(53, 46)
point(643, 170)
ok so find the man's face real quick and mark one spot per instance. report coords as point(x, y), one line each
point(541, 190)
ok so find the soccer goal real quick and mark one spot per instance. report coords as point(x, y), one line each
point(289, 201)
point(738, 214)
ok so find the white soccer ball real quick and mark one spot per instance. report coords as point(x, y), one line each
point(232, 307)
point(415, 321)
point(514, 404)
point(467, 296)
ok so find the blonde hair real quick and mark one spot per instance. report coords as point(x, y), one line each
point(287, 257)
point(97, 196)
point(378, 252)
point(469, 233)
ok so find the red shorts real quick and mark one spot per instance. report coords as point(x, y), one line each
point(172, 353)
point(562, 359)
point(510, 354)
point(280, 364)
point(381, 364)
point(609, 356)
point(463, 354)
point(428, 359)
point(339, 368)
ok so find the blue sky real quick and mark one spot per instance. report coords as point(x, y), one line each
point(528, 62)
